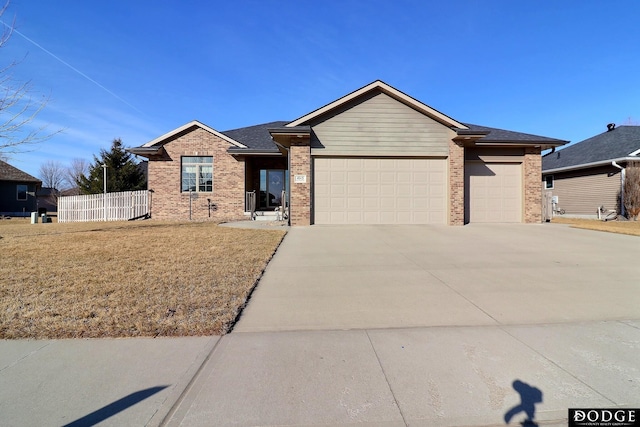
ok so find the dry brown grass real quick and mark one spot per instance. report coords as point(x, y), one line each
point(620, 227)
point(126, 279)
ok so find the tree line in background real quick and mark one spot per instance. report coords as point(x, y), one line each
point(123, 174)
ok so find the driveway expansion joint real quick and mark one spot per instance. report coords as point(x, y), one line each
point(395, 399)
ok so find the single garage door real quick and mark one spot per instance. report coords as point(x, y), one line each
point(494, 192)
point(380, 191)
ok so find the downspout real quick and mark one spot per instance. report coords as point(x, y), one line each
point(289, 172)
point(622, 178)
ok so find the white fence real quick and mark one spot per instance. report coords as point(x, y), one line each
point(104, 207)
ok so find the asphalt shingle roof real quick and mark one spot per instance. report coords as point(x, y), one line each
point(501, 135)
point(617, 143)
point(11, 173)
point(255, 137)
point(258, 138)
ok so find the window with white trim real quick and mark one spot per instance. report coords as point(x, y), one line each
point(21, 191)
point(548, 182)
point(197, 174)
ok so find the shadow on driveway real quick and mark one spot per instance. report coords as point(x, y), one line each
point(115, 407)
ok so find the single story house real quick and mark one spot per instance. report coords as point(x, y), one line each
point(589, 174)
point(374, 156)
point(17, 191)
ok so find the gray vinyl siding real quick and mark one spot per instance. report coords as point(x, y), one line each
point(380, 126)
point(581, 192)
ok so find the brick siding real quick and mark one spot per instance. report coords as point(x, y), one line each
point(300, 209)
point(532, 190)
point(456, 183)
point(168, 202)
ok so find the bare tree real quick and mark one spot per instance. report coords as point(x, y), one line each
point(18, 108)
point(76, 169)
point(53, 174)
point(632, 189)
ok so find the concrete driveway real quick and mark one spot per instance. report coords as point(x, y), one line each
point(429, 326)
point(370, 277)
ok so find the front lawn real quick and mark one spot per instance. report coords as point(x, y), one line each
point(126, 279)
point(621, 227)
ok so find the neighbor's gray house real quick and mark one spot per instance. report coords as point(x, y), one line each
point(589, 174)
point(374, 156)
point(17, 191)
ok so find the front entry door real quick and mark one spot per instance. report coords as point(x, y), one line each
point(272, 183)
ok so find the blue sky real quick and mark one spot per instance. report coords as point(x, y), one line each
point(138, 69)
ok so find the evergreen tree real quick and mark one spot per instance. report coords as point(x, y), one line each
point(123, 174)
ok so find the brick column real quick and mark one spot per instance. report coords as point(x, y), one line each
point(456, 183)
point(532, 189)
point(300, 208)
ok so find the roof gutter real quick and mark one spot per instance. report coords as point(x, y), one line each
point(252, 151)
point(591, 165)
point(145, 151)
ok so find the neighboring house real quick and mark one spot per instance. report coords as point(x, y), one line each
point(374, 156)
point(17, 191)
point(47, 200)
point(588, 174)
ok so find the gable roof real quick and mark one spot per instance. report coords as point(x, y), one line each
point(381, 86)
point(617, 144)
point(11, 173)
point(258, 139)
point(161, 140)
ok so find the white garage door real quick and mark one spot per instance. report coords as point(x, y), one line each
point(495, 192)
point(380, 191)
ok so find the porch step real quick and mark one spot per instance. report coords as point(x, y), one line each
point(264, 215)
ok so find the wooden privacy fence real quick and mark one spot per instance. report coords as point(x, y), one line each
point(120, 206)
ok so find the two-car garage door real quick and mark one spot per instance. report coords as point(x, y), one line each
point(380, 191)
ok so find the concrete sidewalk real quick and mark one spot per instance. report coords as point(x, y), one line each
point(440, 376)
point(110, 382)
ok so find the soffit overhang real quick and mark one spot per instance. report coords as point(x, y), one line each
point(284, 137)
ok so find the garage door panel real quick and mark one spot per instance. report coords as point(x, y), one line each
point(371, 203)
point(380, 191)
point(371, 177)
point(354, 204)
point(404, 204)
point(370, 190)
point(354, 177)
point(404, 177)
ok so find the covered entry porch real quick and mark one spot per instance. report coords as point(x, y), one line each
point(266, 179)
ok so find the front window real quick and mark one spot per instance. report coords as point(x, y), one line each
point(22, 192)
point(197, 174)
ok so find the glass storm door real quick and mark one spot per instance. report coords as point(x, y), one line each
point(272, 183)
